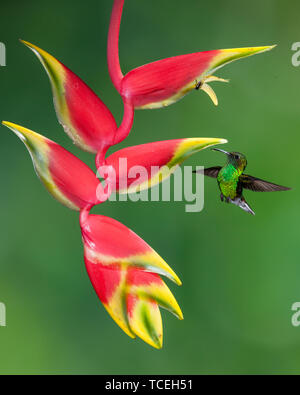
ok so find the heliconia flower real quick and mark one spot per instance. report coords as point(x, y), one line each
point(84, 117)
point(164, 82)
point(124, 271)
point(143, 166)
point(66, 177)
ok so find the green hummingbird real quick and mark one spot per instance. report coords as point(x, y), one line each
point(232, 180)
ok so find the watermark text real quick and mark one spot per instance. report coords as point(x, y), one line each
point(2, 55)
point(2, 314)
point(296, 56)
point(137, 183)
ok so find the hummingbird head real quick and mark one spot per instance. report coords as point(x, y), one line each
point(236, 159)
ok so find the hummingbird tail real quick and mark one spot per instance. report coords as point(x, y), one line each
point(241, 202)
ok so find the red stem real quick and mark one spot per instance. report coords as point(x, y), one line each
point(100, 157)
point(121, 133)
point(126, 125)
point(84, 213)
point(113, 60)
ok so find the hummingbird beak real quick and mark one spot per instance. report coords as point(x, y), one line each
point(221, 150)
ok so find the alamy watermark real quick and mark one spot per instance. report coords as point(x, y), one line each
point(137, 183)
point(296, 56)
point(2, 314)
point(296, 315)
point(2, 55)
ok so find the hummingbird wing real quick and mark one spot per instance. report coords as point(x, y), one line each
point(258, 185)
point(210, 171)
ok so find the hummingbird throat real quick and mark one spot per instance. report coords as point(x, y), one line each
point(203, 85)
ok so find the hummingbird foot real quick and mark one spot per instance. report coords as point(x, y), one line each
point(241, 202)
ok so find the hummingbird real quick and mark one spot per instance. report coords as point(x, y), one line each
point(232, 180)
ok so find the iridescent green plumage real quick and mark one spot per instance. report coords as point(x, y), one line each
point(229, 176)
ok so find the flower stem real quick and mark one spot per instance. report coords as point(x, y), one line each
point(126, 125)
point(113, 60)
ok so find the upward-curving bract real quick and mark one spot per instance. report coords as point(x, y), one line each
point(124, 271)
point(164, 82)
point(67, 178)
point(83, 115)
point(140, 167)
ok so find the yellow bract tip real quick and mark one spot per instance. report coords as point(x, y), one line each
point(17, 128)
point(52, 66)
point(226, 56)
point(29, 45)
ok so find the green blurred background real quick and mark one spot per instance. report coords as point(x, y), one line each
point(241, 274)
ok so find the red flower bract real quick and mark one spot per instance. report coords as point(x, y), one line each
point(66, 177)
point(84, 116)
point(124, 276)
point(143, 166)
point(164, 82)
